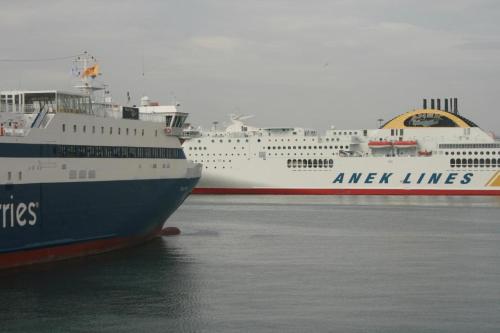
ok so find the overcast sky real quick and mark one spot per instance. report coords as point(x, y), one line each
point(302, 63)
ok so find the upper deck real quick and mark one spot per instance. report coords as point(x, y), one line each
point(21, 111)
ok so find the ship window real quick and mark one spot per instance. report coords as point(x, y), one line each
point(9, 175)
point(84, 128)
point(20, 175)
point(74, 128)
point(476, 162)
point(464, 162)
point(481, 162)
point(135, 131)
point(93, 129)
point(119, 130)
point(330, 163)
point(320, 163)
point(126, 131)
point(458, 162)
point(315, 163)
point(156, 132)
point(102, 129)
point(289, 163)
point(64, 127)
point(493, 162)
point(294, 163)
point(452, 162)
point(488, 162)
point(142, 132)
point(111, 130)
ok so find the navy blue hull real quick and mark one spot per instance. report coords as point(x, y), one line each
point(39, 216)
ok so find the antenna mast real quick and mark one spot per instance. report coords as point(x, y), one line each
point(86, 70)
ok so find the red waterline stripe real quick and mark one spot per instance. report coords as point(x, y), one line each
point(321, 191)
point(48, 254)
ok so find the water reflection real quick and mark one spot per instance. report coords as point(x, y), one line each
point(152, 283)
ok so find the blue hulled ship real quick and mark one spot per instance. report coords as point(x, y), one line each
point(79, 177)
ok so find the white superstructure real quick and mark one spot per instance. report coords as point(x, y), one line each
point(424, 151)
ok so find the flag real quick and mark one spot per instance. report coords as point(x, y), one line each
point(91, 71)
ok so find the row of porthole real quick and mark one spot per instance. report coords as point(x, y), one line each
point(84, 130)
point(472, 153)
point(229, 141)
point(464, 162)
point(305, 147)
point(309, 163)
point(208, 161)
point(226, 154)
point(270, 140)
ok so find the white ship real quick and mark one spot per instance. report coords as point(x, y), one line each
point(79, 177)
point(428, 151)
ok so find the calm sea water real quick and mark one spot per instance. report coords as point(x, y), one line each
point(281, 264)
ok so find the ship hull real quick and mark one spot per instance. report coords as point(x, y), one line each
point(52, 221)
point(353, 176)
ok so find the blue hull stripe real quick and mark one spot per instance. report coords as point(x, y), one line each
point(41, 215)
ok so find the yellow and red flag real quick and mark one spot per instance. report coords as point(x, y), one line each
point(91, 71)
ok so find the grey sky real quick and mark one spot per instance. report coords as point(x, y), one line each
point(290, 63)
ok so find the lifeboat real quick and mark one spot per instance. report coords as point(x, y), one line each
point(405, 144)
point(380, 144)
point(424, 153)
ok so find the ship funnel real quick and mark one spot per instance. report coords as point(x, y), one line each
point(424, 105)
